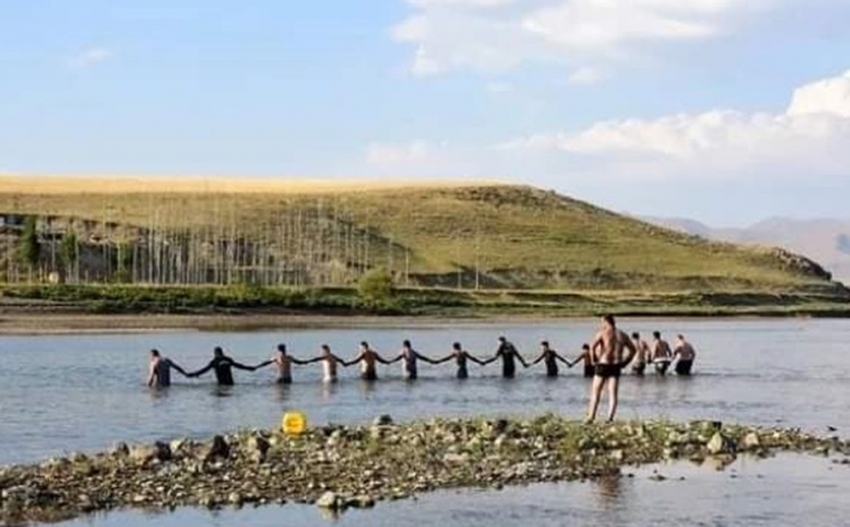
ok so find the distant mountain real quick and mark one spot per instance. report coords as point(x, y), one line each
point(826, 241)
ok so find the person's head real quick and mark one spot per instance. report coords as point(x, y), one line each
point(326, 349)
point(154, 354)
point(635, 335)
point(608, 320)
point(656, 335)
point(456, 346)
point(680, 337)
point(406, 344)
point(218, 352)
point(364, 346)
point(502, 339)
point(281, 348)
point(585, 347)
point(544, 344)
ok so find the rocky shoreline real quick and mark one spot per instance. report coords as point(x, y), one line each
point(337, 467)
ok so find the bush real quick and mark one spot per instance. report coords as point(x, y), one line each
point(376, 287)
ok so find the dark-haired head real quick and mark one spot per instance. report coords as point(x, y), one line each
point(635, 335)
point(656, 334)
point(680, 336)
point(406, 343)
point(609, 319)
point(281, 348)
point(545, 343)
point(218, 352)
point(326, 348)
point(456, 346)
point(585, 347)
point(154, 353)
point(502, 338)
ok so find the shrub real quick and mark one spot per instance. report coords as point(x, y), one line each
point(376, 287)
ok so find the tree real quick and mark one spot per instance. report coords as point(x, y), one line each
point(29, 249)
point(376, 286)
point(68, 252)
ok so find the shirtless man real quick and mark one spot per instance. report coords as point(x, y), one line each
point(661, 355)
point(607, 351)
point(460, 356)
point(408, 357)
point(642, 357)
point(223, 367)
point(550, 357)
point(284, 364)
point(367, 357)
point(686, 355)
point(160, 371)
point(508, 353)
point(587, 358)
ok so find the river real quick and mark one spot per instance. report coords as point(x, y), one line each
point(62, 394)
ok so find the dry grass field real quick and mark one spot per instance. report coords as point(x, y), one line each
point(492, 235)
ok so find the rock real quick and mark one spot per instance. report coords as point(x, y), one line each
point(363, 501)
point(120, 449)
point(752, 441)
point(330, 501)
point(657, 477)
point(256, 448)
point(235, 499)
point(147, 453)
point(617, 455)
point(218, 448)
point(500, 440)
point(456, 458)
point(383, 420)
point(720, 444)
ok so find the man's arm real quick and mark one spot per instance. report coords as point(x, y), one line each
point(202, 371)
point(424, 358)
point(178, 368)
point(519, 358)
point(353, 361)
point(240, 366)
point(263, 364)
point(558, 357)
point(476, 360)
point(538, 359)
point(305, 361)
point(385, 361)
point(578, 359)
point(627, 342)
point(447, 358)
point(152, 375)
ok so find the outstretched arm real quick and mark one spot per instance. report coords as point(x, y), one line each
point(178, 368)
point(353, 361)
point(558, 357)
point(202, 371)
point(577, 359)
point(263, 364)
point(385, 361)
point(301, 362)
point(475, 359)
point(538, 359)
point(520, 359)
point(240, 366)
point(447, 358)
point(424, 358)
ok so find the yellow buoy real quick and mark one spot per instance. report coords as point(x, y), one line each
point(294, 423)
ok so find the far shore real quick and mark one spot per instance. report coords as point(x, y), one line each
point(40, 323)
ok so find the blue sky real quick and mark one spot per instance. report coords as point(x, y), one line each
point(662, 107)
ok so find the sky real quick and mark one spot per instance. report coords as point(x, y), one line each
point(725, 111)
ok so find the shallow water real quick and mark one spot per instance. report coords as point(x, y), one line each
point(786, 491)
point(67, 393)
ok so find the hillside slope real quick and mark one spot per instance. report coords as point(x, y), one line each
point(490, 236)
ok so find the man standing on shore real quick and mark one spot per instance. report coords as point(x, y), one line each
point(607, 351)
point(685, 354)
point(160, 370)
point(223, 367)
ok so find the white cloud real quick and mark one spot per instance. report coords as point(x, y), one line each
point(808, 139)
point(471, 34)
point(90, 57)
point(586, 76)
point(499, 87)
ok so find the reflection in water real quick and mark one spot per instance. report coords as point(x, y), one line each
point(221, 391)
point(366, 387)
point(329, 389)
point(282, 391)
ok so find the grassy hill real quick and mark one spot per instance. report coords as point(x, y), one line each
point(462, 235)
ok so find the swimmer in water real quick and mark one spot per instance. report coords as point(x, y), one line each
point(409, 357)
point(284, 363)
point(550, 358)
point(587, 358)
point(508, 353)
point(686, 354)
point(661, 354)
point(643, 354)
point(223, 367)
point(460, 356)
point(160, 370)
point(367, 357)
point(607, 350)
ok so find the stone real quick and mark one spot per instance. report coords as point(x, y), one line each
point(383, 420)
point(456, 458)
point(147, 453)
point(256, 448)
point(329, 500)
point(120, 449)
point(235, 499)
point(218, 448)
point(752, 441)
point(364, 501)
point(719, 444)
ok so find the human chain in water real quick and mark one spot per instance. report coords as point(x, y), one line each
point(603, 359)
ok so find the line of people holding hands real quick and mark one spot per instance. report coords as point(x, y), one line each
point(657, 352)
